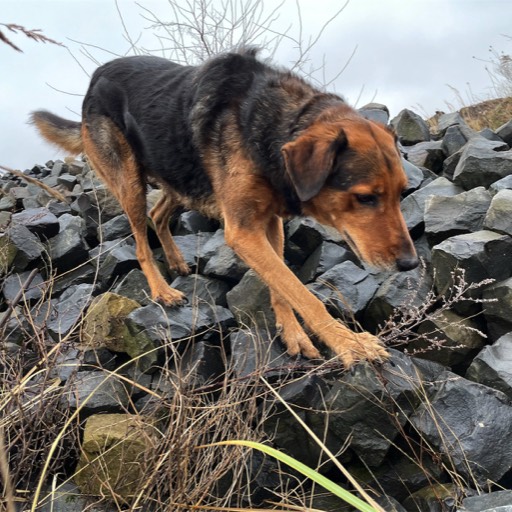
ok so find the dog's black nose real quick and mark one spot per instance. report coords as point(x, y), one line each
point(404, 264)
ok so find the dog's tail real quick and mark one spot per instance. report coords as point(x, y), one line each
point(57, 130)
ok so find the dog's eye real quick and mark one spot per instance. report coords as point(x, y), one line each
point(367, 199)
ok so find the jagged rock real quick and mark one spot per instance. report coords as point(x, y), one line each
point(68, 248)
point(433, 498)
point(96, 392)
point(117, 261)
point(65, 497)
point(455, 138)
point(113, 454)
point(345, 288)
point(165, 324)
point(410, 288)
point(249, 301)
point(84, 274)
point(460, 336)
point(493, 366)
point(322, 259)
point(413, 206)
point(198, 288)
point(68, 181)
point(58, 167)
point(63, 314)
point(426, 154)
point(410, 128)
point(302, 395)
point(456, 215)
point(499, 216)
point(191, 245)
point(202, 362)
point(482, 162)
point(358, 400)
point(210, 246)
point(414, 175)
point(118, 227)
point(135, 286)
point(504, 183)
point(192, 222)
point(498, 307)
point(304, 235)
point(445, 121)
point(22, 248)
point(39, 221)
point(498, 501)
point(7, 203)
point(225, 264)
point(488, 134)
point(505, 132)
point(375, 112)
point(256, 352)
point(13, 284)
point(482, 255)
point(469, 424)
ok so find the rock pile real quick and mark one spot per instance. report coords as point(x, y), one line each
point(429, 432)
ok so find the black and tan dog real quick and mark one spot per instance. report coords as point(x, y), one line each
point(248, 143)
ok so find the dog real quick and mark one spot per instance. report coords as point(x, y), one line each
point(241, 140)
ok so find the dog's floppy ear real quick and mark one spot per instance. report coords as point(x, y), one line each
point(309, 160)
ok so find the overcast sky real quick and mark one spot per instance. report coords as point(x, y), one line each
point(407, 54)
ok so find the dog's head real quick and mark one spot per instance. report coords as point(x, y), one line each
point(348, 174)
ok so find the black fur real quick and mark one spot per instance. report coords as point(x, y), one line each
point(169, 112)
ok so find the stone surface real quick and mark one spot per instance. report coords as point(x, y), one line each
point(497, 310)
point(14, 283)
point(427, 154)
point(505, 132)
point(198, 288)
point(493, 365)
point(39, 221)
point(482, 162)
point(322, 259)
point(469, 424)
point(410, 128)
point(498, 501)
point(456, 215)
point(498, 217)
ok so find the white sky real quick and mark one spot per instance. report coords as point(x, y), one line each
point(408, 53)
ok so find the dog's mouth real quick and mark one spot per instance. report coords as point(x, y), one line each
point(374, 265)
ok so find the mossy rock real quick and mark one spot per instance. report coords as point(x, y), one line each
point(105, 326)
point(114, 449)
point(8, 252)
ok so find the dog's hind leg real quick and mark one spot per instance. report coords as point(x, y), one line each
point(292, 333)
point(115, 163)
point(161, 214)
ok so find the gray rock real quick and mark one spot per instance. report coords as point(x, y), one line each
point(84, 274)
point(201, 364)
point(375, 112)
point(225, 264)
point(410, 128)
point(497, 310)
point(58, 167)
point(493, 366)
point(64, 314)
point(345, 288)
point(427, 154)
point(488, 134)
point(209, 247)
point(118, 227)
point(482, 255)
point(469, 424)
point(413, 206)
point(198, 288)
point(255, 352)
point(96, 392)
point(193, 222)
point(66, 497)
point(498, 501)
point(135, 286)
point(165, 324)
point(505, 132)
point(39, 221)
point(445, 121)
point(5, 221)
point(450, 164)
point(322, 259)
point(482, 162)
point(399, 289)
point(503, 184)
point(14, 283)
point(7, 203)
point(68, 248)
point(499, 216)
point(459, 337)
point(249, 301)
point(414, 175)
point(28, 247)
point(456, 215)
point(68, 181)
point(192, 244)
point(456, 137)
point(118, 261)
point(358, 401)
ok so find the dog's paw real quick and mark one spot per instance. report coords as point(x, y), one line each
point(181, 268)
point(352, 347)
point(170, 297)
point(297, 341)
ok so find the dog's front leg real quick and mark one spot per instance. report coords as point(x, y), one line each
point(248, 238)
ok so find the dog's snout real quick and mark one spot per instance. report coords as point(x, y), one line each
point(407, 263)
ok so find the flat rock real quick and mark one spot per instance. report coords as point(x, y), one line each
point(40, 221)
point(498, 501)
